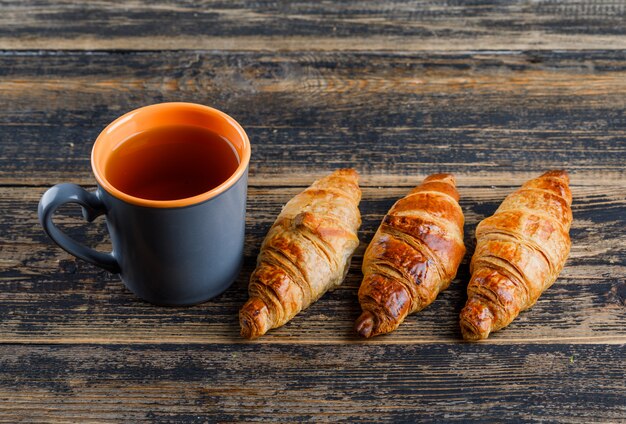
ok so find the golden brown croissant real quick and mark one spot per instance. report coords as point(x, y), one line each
point(413, 256)
point(305, 253)
point(520, 251)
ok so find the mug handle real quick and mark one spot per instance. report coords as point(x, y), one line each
point(92, 207)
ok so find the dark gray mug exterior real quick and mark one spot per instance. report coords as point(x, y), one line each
point(179, 256)
point(166, 256)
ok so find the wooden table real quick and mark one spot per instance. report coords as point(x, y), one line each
point(495, 92)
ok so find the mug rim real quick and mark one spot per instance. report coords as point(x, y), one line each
point(103, 182)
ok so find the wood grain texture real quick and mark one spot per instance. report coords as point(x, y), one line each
point(47, 296)
point(495, 92)
point(434, 383)
point(313, 26)
point(483, 116)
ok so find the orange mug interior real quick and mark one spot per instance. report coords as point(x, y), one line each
point(161, 115)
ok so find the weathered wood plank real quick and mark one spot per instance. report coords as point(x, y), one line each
point(46, 296)
point(307, 26)
point(225, 383)
point(395, 89)
point(480, 115)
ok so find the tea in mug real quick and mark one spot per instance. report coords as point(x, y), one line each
point(171, 162)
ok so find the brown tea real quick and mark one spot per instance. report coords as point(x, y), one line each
point(170, 163)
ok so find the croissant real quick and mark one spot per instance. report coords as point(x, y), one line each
point(520, 251)
point(306, 252)
point(413, 256)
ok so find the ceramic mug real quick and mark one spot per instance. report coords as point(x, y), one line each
point(168, 252)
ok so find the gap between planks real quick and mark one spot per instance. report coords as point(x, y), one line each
point(304, 179)
point(601, 340)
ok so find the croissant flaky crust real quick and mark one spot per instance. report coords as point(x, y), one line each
point(306, 252)
point(413, 256)
point(520, 252)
